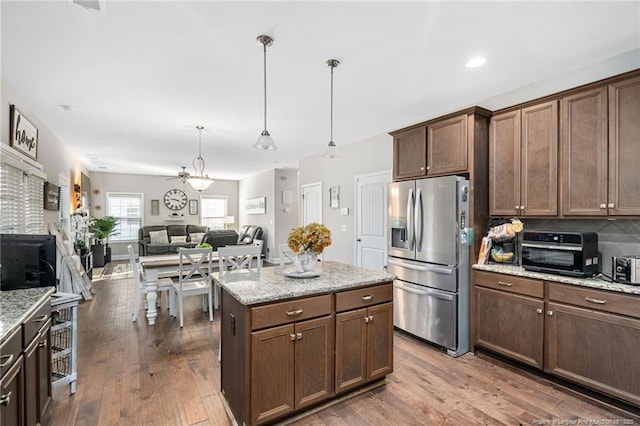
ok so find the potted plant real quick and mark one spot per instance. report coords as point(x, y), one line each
point(102, 229)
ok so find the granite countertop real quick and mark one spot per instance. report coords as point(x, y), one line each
point(270, 284)
point(583, 282)
point(17, 305)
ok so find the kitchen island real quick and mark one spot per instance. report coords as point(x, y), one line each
point(289, 344)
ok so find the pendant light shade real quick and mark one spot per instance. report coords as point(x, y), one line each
point(199, 180)
point(265, 142)
point(332, 149)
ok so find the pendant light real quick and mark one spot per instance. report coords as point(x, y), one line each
point(332, 149)
point(199, 180)
point(265, 142)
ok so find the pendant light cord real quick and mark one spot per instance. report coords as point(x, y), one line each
point(264, 47)
point(331, 139)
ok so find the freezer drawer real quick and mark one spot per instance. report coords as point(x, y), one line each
point(441, 277)
point(426, 312)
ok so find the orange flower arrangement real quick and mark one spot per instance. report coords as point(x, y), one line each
point(314, 237)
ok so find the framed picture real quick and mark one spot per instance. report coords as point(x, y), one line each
point(23, 134)
point(51, 196)
point(193, 206)
point(155, 207)
point(256, 205)
point(334, 197)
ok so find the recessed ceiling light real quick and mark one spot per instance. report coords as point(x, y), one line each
point(67, 108)
point(476, 62)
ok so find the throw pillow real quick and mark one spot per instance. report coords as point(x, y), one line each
point(179, 239)
point(159, 237)
point(196, 237)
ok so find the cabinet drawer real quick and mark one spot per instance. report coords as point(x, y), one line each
point(10, 351)
point(363, 297)
point(595, 299)
point(290, 311)
point(510, 283)
point(35, 322)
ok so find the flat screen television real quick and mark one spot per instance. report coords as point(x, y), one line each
point(27, 261)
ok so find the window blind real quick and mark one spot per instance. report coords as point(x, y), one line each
point(34, 204)
point(11, 201)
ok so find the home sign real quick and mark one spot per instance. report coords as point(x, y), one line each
point(23, 134)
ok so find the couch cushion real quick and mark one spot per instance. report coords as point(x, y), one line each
point(158, 237)
point(178, 239)
point(176, 230)
point(196, 237)
point(157, 249)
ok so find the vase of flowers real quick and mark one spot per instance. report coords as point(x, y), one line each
point(308, 242)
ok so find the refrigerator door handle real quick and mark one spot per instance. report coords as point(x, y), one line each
point(430, 293)
point(418, 216)
point(410, 219)
point(436, 269)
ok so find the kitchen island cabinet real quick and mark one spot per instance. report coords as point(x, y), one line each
point(279, 351)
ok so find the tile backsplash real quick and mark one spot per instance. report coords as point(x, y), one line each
point(616, 237)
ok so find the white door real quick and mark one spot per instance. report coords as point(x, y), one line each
point(311, 203)
point(371, 220)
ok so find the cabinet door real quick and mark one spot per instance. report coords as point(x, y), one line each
point(447, 146)
point(504, 164)
point(272, 357)
point(44, 371)
point(596, 349)
point(12, 396)
point(351, 349)
point(624, 147)
point(539, 174)
point(31, 383)
point(410, 154)
point(583, 153)
point(510, 324)
point(380, 341)
point(314, 361)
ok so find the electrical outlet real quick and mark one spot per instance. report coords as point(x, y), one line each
point(344, 228)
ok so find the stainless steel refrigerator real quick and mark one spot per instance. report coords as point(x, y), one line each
point(428, 248)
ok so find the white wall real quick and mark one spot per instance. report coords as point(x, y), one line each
point(287, 216)
point(366, 156)
point(260, 185)
point(52, 153)
point(154, 188)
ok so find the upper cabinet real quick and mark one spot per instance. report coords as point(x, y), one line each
point(410, 153)
point(447, 146)
point(599, 150)
point(523, 156)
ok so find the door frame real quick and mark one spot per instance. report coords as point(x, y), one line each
point(389, 174)
point(302, 209)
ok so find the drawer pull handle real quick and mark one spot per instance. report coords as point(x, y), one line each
point(5, 399)
point(505, 284)
point(366, 319)
point(603, 206)
point(539, 310)
point(292, 336)
point(299, 336)
point(294, 313)
point(43, 344)
point(610, 205)
point(43, 318)
point(8, 361)
point(550, 313)
point(366, 298)
point(598, 301)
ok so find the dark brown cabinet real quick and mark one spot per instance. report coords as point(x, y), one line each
point(292, 367)
point(37, 368)
point(410, 153)
point(509, 316)
point(12, 395)
point(364, 336)
point(447, 146)
point(523, 155)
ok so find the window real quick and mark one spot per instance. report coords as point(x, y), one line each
point(21, 201)
point(212, 211)
point(127, 208)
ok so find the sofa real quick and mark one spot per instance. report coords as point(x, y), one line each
point(228, 237)
point(152, 239)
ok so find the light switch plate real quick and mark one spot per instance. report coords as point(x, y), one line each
point(344, 211)
point(344, 228)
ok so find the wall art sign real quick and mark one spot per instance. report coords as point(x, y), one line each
point(51, 196)
point(23, 134)
point(155, 207)
point(334, 197)
point(256, 205)
point(193, 206)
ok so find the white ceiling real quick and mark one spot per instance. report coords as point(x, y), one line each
point(141, 75)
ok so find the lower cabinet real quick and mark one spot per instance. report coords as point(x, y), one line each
point(364, 346)
point(292, 367)
point(37, 368)
point(587, 336)
point(12, 395)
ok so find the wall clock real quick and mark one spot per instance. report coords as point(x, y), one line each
point(175, 199)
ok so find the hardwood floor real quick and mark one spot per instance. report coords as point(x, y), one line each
point(134, 374)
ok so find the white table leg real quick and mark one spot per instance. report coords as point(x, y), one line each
point(151, 276)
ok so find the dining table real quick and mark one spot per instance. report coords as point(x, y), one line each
point(161, 266)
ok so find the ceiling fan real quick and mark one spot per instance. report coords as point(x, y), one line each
point(184, 174)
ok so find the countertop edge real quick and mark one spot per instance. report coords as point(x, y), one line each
point(34, 307)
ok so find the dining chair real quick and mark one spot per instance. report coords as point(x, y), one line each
point(194, 279)
point(286, 255)
point(236, 257)
point(164, 284)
